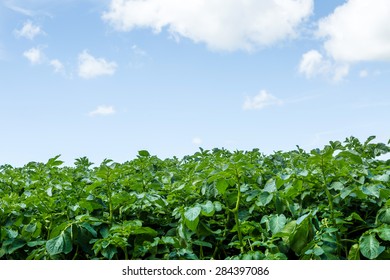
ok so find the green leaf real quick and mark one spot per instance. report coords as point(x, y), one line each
point(11, 245)
point(301, 235)
point(192, 217)
point(270, 186)
point(354, 252)
point(143, 153)
point(354, 216)
point(264, 199)
point(109, 252)
point(351, 156)
point(372, 190)
point(202, 243)
point(338, 186)
point(221, 185)
point(381, 178)
point(54, 162)
point(89, 228)
point(346, 191)
point(277, 223)
point(384, 232)
point(208, 209)
point(384, 215)
point(59, 244)
point(369, 246)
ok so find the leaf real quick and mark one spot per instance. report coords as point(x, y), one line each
point(354, 252)
point(202, 243)
point(369, 246)
point(354, 216)
point(302, 218)
point(109, 252)
point(143, 153)
point(264, 199)
point(89, 228)
point(208, 209)
point(351, 156)
point(384, 215)
point(270, 186)
point(54, 162)
point(11, 245)
point(49, 191)
point(192, 217)
point(372, 190)
point(384, 233)
point(346, 191)
point(338, 186)
point(381, 178)
point(301, 235)
point(318, 251)
point(277, 223)
point(35, 243)
point(59, 244)
point(221, 185)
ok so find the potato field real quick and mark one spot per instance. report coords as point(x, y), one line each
point(329, 203)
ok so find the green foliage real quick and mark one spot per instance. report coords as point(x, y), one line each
point(330, 203)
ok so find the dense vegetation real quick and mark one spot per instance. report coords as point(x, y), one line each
point(332, 203)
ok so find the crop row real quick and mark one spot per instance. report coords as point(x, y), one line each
point(330, 203)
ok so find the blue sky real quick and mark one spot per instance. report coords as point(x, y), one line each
point(104, 79)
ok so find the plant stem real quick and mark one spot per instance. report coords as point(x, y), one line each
point(330, 203)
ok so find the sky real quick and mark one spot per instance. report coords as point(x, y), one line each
point(105, 79)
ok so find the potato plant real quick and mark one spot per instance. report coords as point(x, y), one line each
point(330, 203)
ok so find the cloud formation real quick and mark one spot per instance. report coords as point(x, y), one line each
point(29, 31)
point(221, 24)
point(357, 31)
point(34, 55)
point(260, 101)
point(91, 67)
point(102, 110)
point(314, 64)
point(57, 65)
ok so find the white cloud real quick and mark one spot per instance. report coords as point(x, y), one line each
point(29, 31)
point(261, 100)
point(357, 31)
point(57, 65)
point(91, 67)
point(34, 55)
point(19, 9)
point(314, 64)
point(102, 110)
point(220, 24)
point(197, 141)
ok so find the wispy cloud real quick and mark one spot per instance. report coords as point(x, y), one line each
point(102, 110)
point(57, 65)
point(29, 31)
point(19, 9)
point(34, 55)
point(261, 100)
point(91, 67)
point(139, 57)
